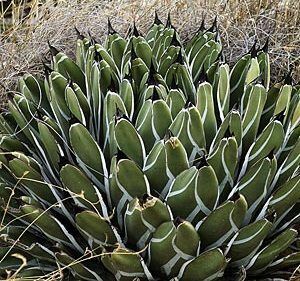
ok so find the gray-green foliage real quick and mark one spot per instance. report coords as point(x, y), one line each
point(151, 159)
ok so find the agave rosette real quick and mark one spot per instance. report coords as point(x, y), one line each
point(151, 159)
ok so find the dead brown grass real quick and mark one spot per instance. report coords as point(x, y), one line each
point(24, 43)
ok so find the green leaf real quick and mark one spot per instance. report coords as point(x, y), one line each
point(83, 192)
point(224, 220)
point(224, 160)
point(125, 264)
point(247, 241)
point(209, 265)
point(32, 180)
point(50, 226)
point(127, 181)
point(89, 155)
point(68, 68)
point(78, 268)
point(205, 106)
point(156, 168)
point(250, 122)
point(238, 76)
point(194, 194)
point(177, 160)
point(129, 141)
point(142, 217)
point(223, 91)
point(94, 227)
point(255, 183)
point(169, 249)
point(269, 253)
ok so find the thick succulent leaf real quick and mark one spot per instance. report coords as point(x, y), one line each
point(255, 183)
point(143, 216)
point(74, 105)
point(185, 83)
point(264, 66)
point(89, 155)
point(199, 59)
point(95, 228)
point(288, 167)
point(205, 106)
point(224, 160)
point(253, 71)
point(20, 120)
point(83, 192)
point(117, 48)
point(30, 178)
point(50, 226)
point(94, 94)
point(188, 127)
point(267, 114)
point(247, 241)
point(155, 168)
point(231, 126)
point(223, 91)
point(283, 100)
point(35, 89)
point(269, 253)
point(176, 101)
point(142, 49)
point(195, 45)
point(81, 52)
point(126, 265)
point(127, 181)
point(269, 141)
point(113, 105)
point(169, 248)
point(161, 112)
point(25, 240)
point(139, 72)
point(127, 95)
point(285, 197)
point(51, 146)
point(253, 111)
point(78, 268)
point(228, 218)
point(144, 124)
point(129, 141)
point(68, 68)
point(290, 142)
point(295, 110)
point(194, 194)
point(7, 123)
point(153, 120)
point(209, 265)
point(10, 143)
point(107, 77)
point(168, 58)
point(163, 42)
point(12, 261)
point(177, 160)
point(58, 84)
point(154, 32)
point(288, 261)
point(106, 57)
point(238, 76)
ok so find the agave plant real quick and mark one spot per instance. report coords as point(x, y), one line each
point(151, 159)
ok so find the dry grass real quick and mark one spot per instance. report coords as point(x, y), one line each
point(24, 42)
